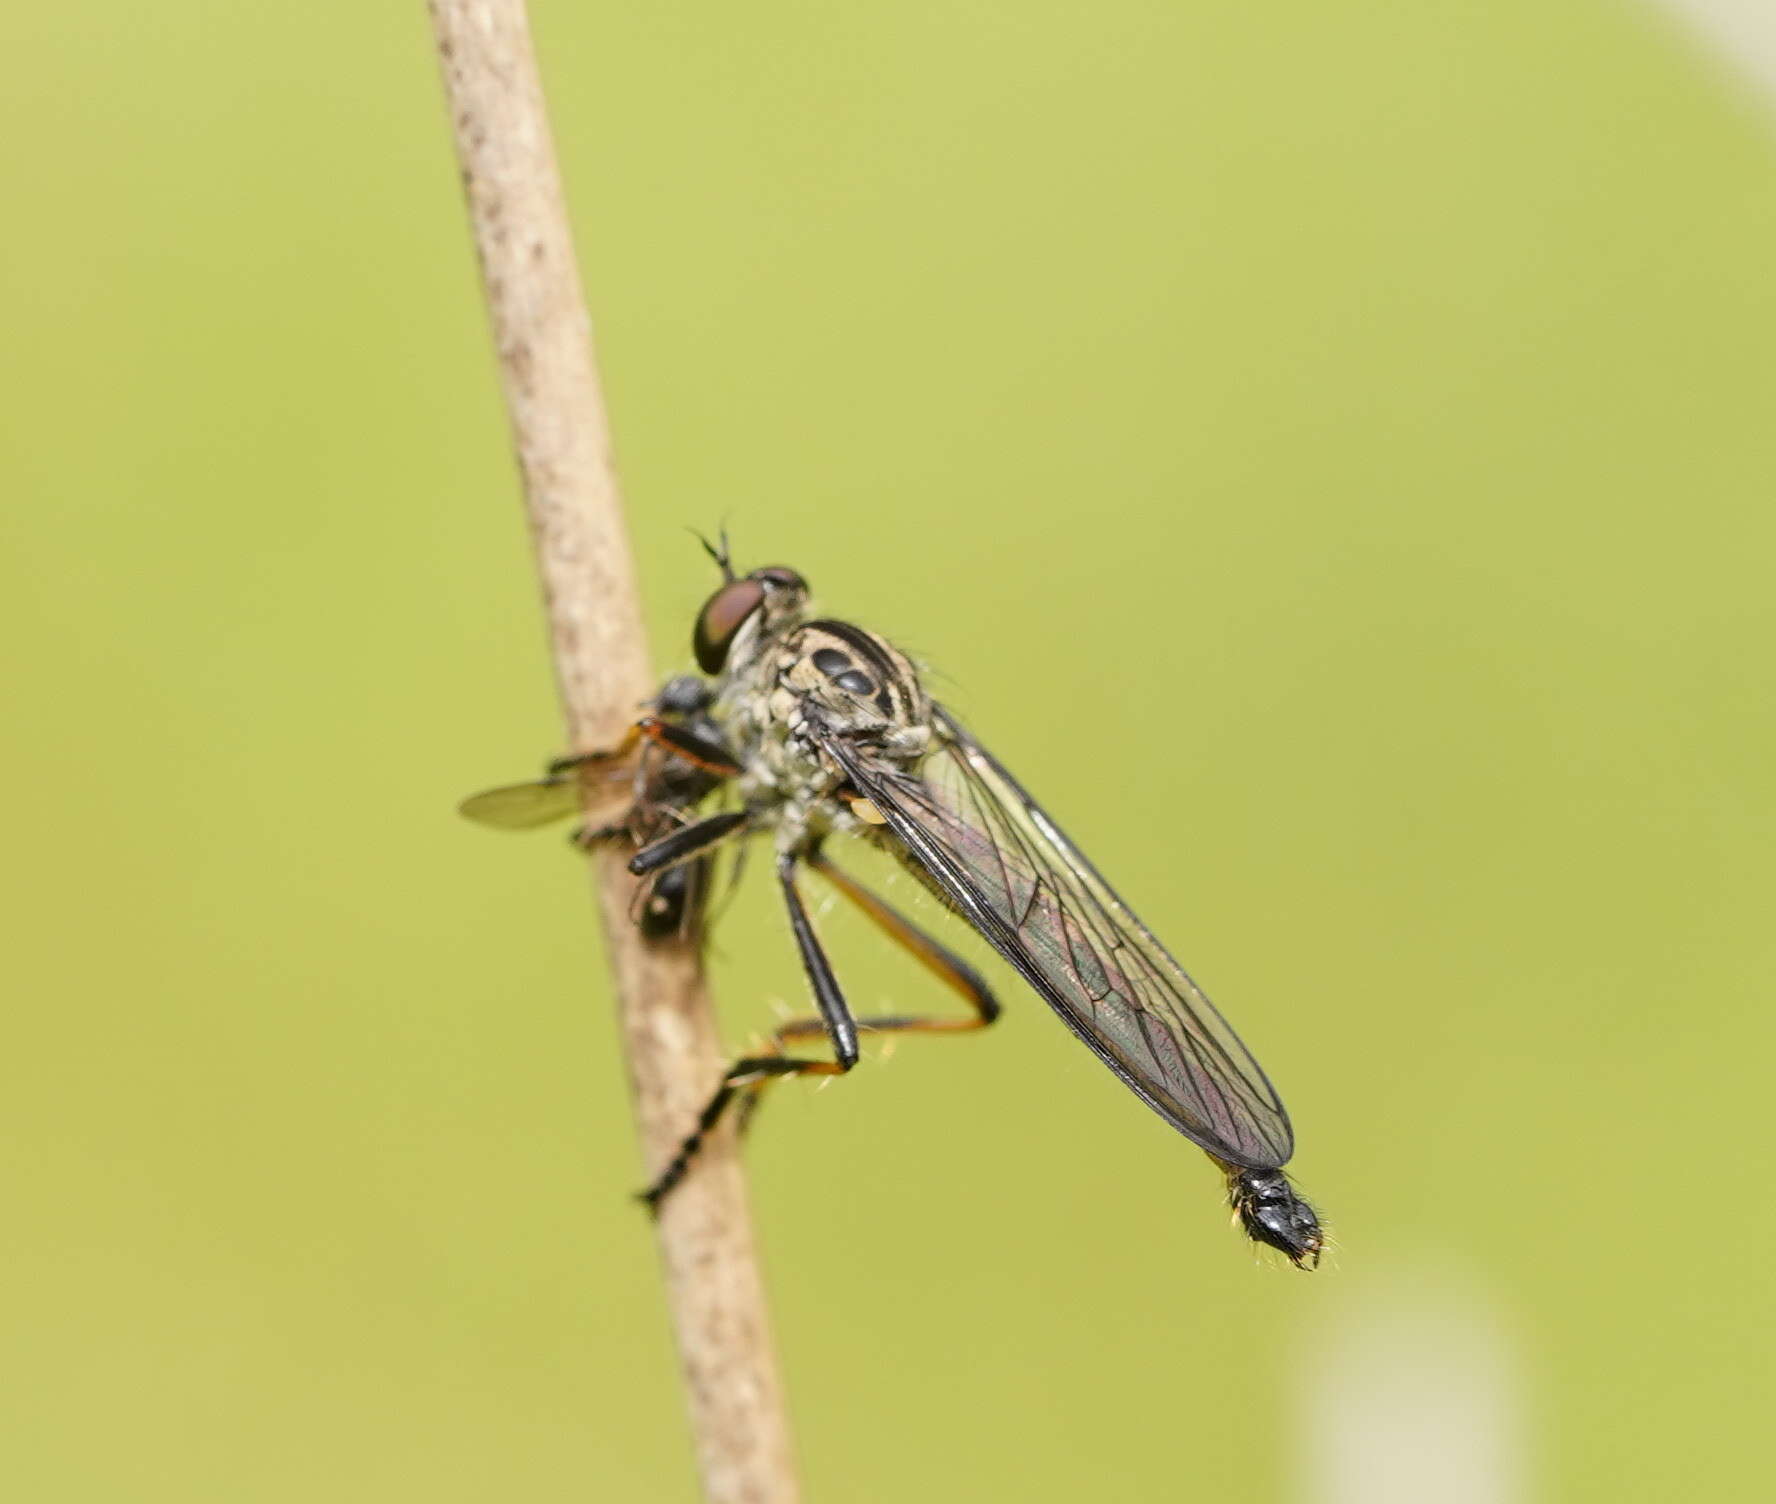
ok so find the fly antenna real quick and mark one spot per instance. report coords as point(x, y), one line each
point(720, 555)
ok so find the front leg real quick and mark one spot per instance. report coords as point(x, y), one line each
point(687, 841)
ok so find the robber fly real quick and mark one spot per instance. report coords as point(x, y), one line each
point(820, 728)
point(641, 799)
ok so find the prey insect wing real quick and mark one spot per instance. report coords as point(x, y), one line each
point(992, 850)
point(640, 792)
point(524, 806)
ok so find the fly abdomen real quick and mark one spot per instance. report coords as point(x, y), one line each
point(1273, 1214)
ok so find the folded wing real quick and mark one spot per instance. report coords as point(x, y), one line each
point(1036, 899)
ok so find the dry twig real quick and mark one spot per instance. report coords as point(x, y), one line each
point(543, 337)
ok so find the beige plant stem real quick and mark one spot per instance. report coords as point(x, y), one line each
point(543, 338)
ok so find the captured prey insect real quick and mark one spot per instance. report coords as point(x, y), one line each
point(647, 789)
point(818, 727)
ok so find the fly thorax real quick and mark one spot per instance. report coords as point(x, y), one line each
point(850, 683)
point(819, 681)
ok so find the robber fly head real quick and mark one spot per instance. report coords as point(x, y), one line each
point(744, 612)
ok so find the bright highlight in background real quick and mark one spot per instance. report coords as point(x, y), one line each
point(1412, 1391)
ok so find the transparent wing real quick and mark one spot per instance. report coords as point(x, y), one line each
point(524, 806)
point(1036, 899)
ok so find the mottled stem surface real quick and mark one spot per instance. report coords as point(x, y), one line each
point(544, 342)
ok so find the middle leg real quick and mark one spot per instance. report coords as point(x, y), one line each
point(937, 958)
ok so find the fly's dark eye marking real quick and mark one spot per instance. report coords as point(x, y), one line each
point(837, 667)
point(776, 574)
point(723, 616)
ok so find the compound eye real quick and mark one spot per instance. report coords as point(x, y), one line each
point(723, 616)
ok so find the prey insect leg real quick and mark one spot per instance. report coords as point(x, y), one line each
point(625, 745)
point(699, 751)
point(835, 1022)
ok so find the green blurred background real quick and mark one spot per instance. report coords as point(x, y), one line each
point(1326, 449)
